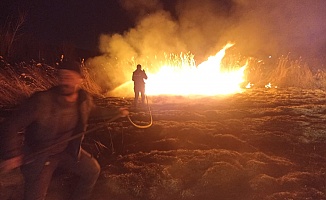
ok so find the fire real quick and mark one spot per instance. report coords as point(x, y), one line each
point(205, 79)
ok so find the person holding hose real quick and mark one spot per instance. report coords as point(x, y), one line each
point(138, 77)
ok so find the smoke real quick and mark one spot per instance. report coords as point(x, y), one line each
point(149, 43)
point(275, 27)
point(259, 28)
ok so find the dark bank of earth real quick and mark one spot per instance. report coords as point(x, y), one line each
point(260, 144)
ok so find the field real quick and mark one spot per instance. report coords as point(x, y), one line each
point(264, 143)
point(259, 144)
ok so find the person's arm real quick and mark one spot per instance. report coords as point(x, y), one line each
point(144, 75)
point(133, 76)
point(107, 112)
point(10, 142)
point(17, 121)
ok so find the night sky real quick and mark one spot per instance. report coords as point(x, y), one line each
point(258, 27)
point(79, 22)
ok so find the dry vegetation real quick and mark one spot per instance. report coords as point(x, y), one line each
point(19, 80)
point(285, 72)
point(260, 144)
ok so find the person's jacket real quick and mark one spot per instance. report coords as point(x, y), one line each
point(138, 77)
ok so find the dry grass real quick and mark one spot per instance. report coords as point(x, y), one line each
point(89, 83)
point(285, 72)
point(22, 79)
point(260, 144)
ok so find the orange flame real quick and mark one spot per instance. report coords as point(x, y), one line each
point(205, 79)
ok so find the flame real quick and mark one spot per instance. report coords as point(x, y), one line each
point(205, 79)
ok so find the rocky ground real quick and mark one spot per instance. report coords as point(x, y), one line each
point(259, 144)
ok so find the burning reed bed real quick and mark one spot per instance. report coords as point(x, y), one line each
point(286, 72)
point(20, 80)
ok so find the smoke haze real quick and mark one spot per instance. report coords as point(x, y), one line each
point(259, 28)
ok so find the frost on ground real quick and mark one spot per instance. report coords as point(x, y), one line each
point(259, 144)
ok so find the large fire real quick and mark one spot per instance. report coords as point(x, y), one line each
point(205, 79)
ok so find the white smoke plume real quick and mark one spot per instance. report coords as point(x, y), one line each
point(259, 28)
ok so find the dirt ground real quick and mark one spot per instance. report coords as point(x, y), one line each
point(259, 144)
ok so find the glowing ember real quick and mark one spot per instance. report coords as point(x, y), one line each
point(249, 85)
point(269, 85)
point(205, 79)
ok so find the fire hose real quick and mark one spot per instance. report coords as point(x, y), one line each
point(143, 126)
point(31, 157)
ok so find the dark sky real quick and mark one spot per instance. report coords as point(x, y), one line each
point(258, 27)
point(78, 21)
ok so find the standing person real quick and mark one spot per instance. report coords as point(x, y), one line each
point(48, 117)
point(138, 77)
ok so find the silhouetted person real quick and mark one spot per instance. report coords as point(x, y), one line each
point(46, 118)
point(138, 77)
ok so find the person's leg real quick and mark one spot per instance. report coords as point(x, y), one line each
point(142, 92)
point(37, 176)
point(88, 169)
point(136, 95)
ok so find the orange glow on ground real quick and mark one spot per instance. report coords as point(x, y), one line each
point(205, 79)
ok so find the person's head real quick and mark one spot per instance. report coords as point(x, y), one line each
point(70, 77)
point(139, 67)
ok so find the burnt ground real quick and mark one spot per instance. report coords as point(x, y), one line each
point(260, 144)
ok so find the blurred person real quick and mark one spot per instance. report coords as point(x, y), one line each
point(138, 77)
point(47, 117)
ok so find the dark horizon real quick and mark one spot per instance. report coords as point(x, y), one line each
point(259, 28)
point(79, 23)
